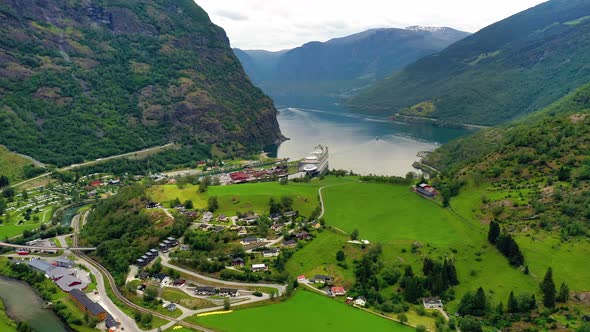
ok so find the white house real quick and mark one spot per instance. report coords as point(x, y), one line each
point(207, 216)
point(273, 252)
point(432, 303)
point(259, 267)
point(361, 301)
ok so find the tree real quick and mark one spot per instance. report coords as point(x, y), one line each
point(204, 184)
point(354, 235)
point(4, 181)
point(420, 328)
point(150, 294)
point(146, 320)
point(402, 318)
point(548, 289)
point(188, 204)
point(212, 204)
point(226, 304)
point(512, 304)
point(564, 293)
point(340, 256)
point(470, 324)
point(494, 232)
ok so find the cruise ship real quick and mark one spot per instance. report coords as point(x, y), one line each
point(316, 163)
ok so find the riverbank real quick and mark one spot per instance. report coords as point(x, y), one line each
point(6, 323)
point(436, 122)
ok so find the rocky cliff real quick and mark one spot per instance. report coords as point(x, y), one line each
point(85, 79)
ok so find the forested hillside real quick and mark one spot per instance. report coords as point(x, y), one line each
point(506, 70)
point(122, 229)
point(87, 79)
point(324, 72)
point(541, 164)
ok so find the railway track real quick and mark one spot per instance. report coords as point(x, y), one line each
point(122, 298)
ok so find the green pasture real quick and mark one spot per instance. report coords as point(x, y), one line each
point(246, 197)
point(305, 311)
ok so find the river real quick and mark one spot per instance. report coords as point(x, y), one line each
point(366, 145)
point(23, 304)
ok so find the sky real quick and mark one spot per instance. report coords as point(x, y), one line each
point(283, 24)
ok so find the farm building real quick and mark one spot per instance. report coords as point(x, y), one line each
point(432, 303)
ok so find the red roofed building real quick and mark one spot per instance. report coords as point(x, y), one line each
point(239, 177)
point(337, 291)
point(95, 183)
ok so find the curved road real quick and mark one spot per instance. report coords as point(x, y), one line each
point(166, 262)
point(120, 297)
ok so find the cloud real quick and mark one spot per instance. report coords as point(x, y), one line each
point(229, 14)
point(281, 24)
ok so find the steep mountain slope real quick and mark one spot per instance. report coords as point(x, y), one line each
point(541, 163)
point(87, 79)
point(327, 70)
point(507, 69)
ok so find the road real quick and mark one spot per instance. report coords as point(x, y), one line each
point(101, 271)
point(99, 160)
point(166, 262)
point(20, 246)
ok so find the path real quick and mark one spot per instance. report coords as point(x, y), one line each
point(166, 262)
point(96, 161)
point(102, 272)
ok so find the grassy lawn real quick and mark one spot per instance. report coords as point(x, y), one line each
point(185, 300)
point(395, 217)
point(567, 259)
point(12, 164)
point(12, 228)
point(307, 261)
point(6, 324)
point(389, 214)
point(246, 197)
point(319, 313)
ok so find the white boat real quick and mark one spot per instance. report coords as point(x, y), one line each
point(316, 163)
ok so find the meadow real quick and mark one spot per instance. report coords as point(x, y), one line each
point(11, 165)
point(399, 219)
point(246, 197)
point(305, 311)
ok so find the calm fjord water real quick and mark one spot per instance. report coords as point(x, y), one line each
point(363, 144)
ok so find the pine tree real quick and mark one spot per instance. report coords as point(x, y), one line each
point(512, 303)
point(564, 293)
point(533, 302)
point(494, 232)
point(480, 302)
point(450, 272)
point(548, 289)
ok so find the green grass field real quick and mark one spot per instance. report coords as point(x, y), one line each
point(177, 296)
point(305, 311)
point(11, 165)
point(389, 214)
point(395, 217)
point(6, 324)
point(246, 197)
point(308, 262)
point(12, 228)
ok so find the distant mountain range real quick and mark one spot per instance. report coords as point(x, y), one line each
point(323, 72)
point(507, 69)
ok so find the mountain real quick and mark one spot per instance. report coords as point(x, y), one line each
point(325, 71)
point(537, 168)
point(507, 69)
point(86, 79)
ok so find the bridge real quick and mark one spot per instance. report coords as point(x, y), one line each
point(21, 246)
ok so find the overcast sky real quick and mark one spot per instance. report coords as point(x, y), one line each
point(282, 24)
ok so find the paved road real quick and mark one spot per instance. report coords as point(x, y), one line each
point(20, 246)
point(112, 284)
point(99, 160)
point(166, 262)
point(126, 322)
